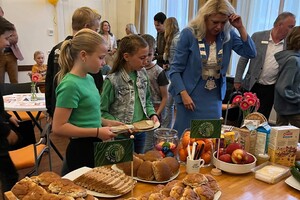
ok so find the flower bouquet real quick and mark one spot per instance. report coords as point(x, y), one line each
point(248, 103)
point(35, 78)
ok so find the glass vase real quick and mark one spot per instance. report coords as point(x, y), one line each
point(33, 92)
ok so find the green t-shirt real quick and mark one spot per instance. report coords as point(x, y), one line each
point(81, 95)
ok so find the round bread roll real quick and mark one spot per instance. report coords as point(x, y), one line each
point(176, 191)
point(204, 192)
point(23, 187)
point(194, 180)
point(167, 189)
point(57, 185)
point(161, 171)
point(126, 166)
point(145, 171)
point(152, 155)
point(172, 163)
point(156, 196)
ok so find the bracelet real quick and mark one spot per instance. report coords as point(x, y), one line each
point(97, 132)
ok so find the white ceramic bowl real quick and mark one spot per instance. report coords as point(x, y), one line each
point(233, 168)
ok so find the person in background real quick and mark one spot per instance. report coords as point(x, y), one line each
point(287, 87)
point(8, 173)
point(159, 20)
point(158, 87)
point(39, 67)
point(83, 17)
point(126, 90)
point(9, 57)
point(202, 56)
point(110, 39)
point(130, 29)
point(262, 72)
point(172, 34)
point(77, 113)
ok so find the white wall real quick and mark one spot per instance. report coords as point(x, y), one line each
point(34, 18)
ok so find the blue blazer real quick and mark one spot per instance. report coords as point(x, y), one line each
point(186, 68)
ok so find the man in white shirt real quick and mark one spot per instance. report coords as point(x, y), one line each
point(263, 69)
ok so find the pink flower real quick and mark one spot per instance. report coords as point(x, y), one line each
point(35, 77)
point(244, 105)
point(237, 99)
point(251, 101)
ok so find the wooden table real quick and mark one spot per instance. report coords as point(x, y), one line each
point(236, 187)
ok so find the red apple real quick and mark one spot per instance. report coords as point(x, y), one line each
point(239, 156)
point(250, 159)
point(225, 158)
point(233, 146)
point(222, 151)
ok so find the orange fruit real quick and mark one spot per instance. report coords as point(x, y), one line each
point(206, 156)
point(185, 139)
point(183, 154)
point(208, 145)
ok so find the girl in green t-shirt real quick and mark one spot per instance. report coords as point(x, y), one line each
point(77, 113)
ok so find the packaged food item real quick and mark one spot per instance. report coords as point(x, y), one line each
point(262, 138)
point(282, 147)
point(247, 138)
point(270, 172)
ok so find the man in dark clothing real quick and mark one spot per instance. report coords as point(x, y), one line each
point(83, 17)
point(8, 172)
point(159, 19)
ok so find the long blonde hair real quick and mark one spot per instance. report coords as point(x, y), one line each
point(84, 40)
point(129, 44)
point(171, 28)
point(198, 25)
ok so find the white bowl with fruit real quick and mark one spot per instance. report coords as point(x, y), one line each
point(234, 159)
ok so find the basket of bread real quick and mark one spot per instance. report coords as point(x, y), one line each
point(195, 186)
point(151, 167)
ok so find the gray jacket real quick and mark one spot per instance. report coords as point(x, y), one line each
point(287, 87)
point(256, 64)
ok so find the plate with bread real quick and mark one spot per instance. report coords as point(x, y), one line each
point(136, 127)
point(102, 181)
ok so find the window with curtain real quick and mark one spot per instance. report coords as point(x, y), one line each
point(177, 9)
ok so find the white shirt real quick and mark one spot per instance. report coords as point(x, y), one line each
point(270, 69)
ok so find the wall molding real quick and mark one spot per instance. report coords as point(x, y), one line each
point(22, 68)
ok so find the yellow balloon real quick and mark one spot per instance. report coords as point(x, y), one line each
point(53, 2)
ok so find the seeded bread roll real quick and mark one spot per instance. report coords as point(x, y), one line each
point(145, 171)
point(172, 163)
point(161, 171)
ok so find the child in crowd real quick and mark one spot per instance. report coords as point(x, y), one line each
point(39, 67)
point(126, 92)
point(77, 113)
point(158, 86)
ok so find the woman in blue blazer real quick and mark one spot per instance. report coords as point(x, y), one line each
point(198, 72)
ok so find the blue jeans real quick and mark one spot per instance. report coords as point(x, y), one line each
point(168, 114)
point(139, 142)
point(149, 143)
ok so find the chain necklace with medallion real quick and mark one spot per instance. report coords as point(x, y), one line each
point(210, 70)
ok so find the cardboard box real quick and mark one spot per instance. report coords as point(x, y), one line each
point(282, 145)
point(262, 138)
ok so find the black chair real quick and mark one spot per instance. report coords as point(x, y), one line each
point(10, 88)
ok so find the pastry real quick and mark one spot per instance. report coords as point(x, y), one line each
point(46, 178)
point(143, 125)
point(57, 185)
point(73, 190)
point(167, 189)
point(212, 183)
point(189, 194)
point(145, 171)
point(176, 191)
point(195, 180)
point(23, 187)
point(161, 171)
point(55, 197)
point(204, 192)
point(156, 196)
point(172, 163)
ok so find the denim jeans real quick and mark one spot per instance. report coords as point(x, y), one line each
point(139, 142)
point(168, 114)
point(149, 143)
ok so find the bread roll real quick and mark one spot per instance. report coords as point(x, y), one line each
point(126, 166)
point(46, 178)
point(176, 191)
point(172, 163)
point(189, 194)
point(156, 196)
point(167, 189)
point(161, 171)
point(145, 171)
point(23, 187)
point(152, 155)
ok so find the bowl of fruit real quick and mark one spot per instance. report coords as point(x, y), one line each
point(234, 159)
